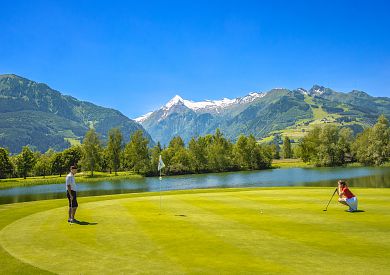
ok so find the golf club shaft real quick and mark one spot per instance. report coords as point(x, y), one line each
point(326, 208)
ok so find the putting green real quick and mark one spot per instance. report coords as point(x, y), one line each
point(215, 231)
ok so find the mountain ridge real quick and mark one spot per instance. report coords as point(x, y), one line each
point(264, 113)
point(34, 114)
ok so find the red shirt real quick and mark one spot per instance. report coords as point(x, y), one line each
point(348, 194)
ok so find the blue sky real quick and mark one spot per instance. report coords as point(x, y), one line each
point(135, 55)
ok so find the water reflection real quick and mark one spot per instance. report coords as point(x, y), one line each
point(357, 177)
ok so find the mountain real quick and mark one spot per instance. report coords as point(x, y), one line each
point(265, 114)
point(33, 114)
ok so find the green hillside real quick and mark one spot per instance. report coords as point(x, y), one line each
point(33, 114)
point(343, 110)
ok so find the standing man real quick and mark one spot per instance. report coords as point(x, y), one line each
point(71, 194)
point(346, 197)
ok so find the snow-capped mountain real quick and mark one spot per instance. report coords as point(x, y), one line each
point(258, 113)
point(143, 118)
point(201, 105)
point(206, 106)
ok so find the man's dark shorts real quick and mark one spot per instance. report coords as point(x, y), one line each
point(74, 200)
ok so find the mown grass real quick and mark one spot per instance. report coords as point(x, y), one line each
point(253, 230)
point(84, 177)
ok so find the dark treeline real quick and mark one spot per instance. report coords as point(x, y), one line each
point(210, 153)
point(323, 146)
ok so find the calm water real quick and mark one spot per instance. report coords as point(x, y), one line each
point(358, 177)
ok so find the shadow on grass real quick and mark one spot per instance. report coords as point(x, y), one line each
point(356, 211)
point(85, 223)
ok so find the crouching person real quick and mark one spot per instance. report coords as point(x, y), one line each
point(346, 197)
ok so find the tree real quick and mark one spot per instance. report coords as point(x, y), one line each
point(275, 150)
point(241, 153)
point(287, 152)
point(264, 156)
point(327, 151)
point(91, 148)
point(197, 149)
point(260, 158)
point(137, 153)
point(71, 156)
point(6, 166)
point(57, 164)
point(104, 160)
point(43, 165)
point(250, 155)
point(179, 158)
point(155, 153)
point(309, 143)
point(114, 148)
point(344, 144)
point(25, 161)
point(379, 147)
point(220, 153)
point(372, 147)
point(326, 146)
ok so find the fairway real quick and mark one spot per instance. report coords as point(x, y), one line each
point(253, 230)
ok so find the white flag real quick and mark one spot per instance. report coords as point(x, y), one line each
point(161, 164)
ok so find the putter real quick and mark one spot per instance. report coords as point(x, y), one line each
point(326, 208)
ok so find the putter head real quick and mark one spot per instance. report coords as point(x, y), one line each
point(325, 210)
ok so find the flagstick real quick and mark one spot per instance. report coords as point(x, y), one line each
point(160, 166)
point(160, 189)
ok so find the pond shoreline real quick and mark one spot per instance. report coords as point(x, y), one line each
point(85, 177)
point(287, 177)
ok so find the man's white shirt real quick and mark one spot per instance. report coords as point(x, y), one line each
point(70, 181)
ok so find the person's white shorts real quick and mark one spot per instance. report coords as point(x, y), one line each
point(352, 203)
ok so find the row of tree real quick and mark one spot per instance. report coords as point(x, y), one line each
point(323, 146)
point(331, 146)
point(210, 153)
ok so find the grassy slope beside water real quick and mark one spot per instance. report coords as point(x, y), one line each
point(200, 231)
point(55, 179)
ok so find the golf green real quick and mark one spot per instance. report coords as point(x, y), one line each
point(253, 230)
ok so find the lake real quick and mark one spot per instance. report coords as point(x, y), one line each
point(357, 177)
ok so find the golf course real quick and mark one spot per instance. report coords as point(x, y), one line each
point(209, 231)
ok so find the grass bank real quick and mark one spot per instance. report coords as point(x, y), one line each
point(55, 179)
point(290, 163)
point(253, 230)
